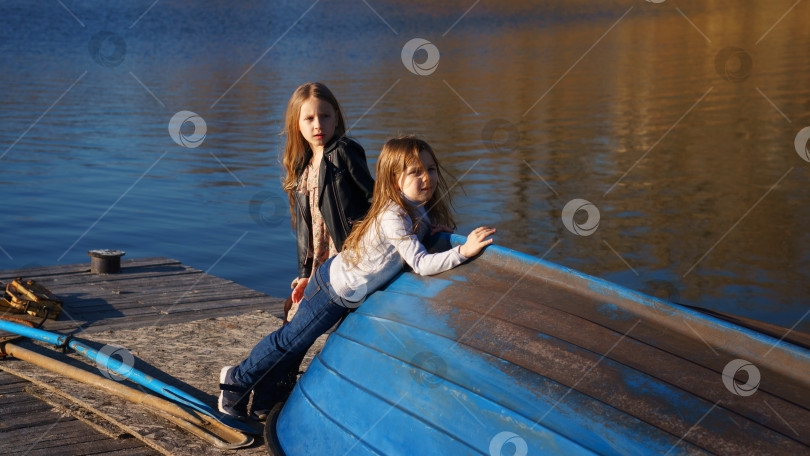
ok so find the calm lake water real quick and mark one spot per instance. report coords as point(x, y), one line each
point(675, 120)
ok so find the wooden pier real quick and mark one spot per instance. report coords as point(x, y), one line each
point(147, 292)
point(150, 297)
point(35, 427)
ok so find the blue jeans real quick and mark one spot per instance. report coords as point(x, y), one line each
point(272, 359)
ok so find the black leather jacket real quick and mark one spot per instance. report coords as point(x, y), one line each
point(345, 188)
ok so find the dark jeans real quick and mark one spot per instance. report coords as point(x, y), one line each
point(273, 360)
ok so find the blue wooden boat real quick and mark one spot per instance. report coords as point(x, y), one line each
point(512, 355)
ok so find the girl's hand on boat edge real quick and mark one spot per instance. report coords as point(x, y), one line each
point(477, 240)
point(298, 291)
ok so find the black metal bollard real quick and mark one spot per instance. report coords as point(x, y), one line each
point(105, 261)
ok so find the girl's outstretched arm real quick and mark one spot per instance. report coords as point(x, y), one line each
point(476, 241)
point(397, 227)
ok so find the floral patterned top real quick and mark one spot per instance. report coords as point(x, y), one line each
point(323, 247)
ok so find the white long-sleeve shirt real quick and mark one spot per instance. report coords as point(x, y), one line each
point(387, 246)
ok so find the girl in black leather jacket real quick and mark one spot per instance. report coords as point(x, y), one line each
point(330, 187)
point(327, 180)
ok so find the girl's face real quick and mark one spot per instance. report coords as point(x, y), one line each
point(317, 122)
point(418, 181)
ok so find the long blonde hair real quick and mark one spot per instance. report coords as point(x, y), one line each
point(395, 157)
point(296, 147)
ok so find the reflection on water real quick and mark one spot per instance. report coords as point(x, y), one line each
point(675, 121)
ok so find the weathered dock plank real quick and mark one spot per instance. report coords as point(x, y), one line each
point(186, 355)
point(147, 296)
point(147, 292)
point(32, 427)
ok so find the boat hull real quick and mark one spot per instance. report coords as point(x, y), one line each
point(509, 354)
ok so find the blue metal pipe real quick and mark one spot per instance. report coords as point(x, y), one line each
point(128, 372)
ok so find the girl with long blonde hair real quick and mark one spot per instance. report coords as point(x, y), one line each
point(329, 187)
point(327, 179)
point(410, 200)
